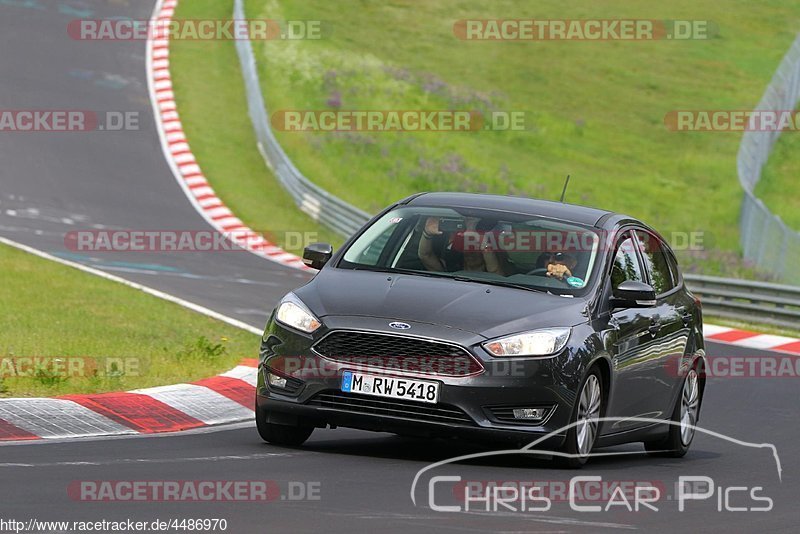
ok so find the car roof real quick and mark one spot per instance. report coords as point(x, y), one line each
point(529, 206)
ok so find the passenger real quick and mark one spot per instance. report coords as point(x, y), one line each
point(485, 259)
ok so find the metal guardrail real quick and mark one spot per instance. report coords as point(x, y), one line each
point(753, 302)
point(322, 206)
point(766, 241)
point(748, 301)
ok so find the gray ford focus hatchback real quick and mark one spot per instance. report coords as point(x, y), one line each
point(489, 318)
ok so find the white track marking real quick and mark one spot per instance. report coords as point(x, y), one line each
point(764, 341)
point(57, 418)
point(199, 402)
point(243, 372)
point(150, 291)
point(712, 330)
point(172, 139)
point(175, 460)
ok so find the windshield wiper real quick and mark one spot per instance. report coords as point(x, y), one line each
point(462, 278)
point(397, 270)
point(500, 283)
point(432, 274)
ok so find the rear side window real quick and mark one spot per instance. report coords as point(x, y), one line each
point(655, 259)
point(626, 264)
point(673, 268)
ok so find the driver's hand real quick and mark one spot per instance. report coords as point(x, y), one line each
point(557, 270)
point(432, 226)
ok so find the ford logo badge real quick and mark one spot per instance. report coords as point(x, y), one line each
point(400, 326)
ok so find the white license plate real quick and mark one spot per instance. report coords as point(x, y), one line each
point(388, 386)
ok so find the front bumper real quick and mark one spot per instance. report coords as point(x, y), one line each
point(469, 407)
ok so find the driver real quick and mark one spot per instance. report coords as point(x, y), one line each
point(558, 264)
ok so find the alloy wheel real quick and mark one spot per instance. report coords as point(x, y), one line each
point(690, 402)
point(588, 415)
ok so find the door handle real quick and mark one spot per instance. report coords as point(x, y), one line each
point(686, 315)
point(655, 326)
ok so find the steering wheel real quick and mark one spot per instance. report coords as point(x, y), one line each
point(542, 271)
point(539, 271)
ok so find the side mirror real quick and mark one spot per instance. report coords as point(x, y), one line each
point(316, 255)
point(632, 294)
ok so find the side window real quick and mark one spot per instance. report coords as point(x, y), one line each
point(673, 268)
point(626, 264)
point(655, 260)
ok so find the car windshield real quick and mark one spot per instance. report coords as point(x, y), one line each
point(480, 245)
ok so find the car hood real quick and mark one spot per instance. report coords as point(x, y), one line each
point(482, 309)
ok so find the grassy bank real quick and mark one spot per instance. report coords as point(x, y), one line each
point(108, 337)
point(213, 109)
point(594, 110)
point(778, 187)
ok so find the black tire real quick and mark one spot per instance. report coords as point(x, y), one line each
point(578, 455)
point(676, 443)
point(288, 435)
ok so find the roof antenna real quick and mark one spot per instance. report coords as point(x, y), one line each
point(564, 192)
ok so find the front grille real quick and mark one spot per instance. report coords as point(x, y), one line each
point(399, 353)
point(353, 402)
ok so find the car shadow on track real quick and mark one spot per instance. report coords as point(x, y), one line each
point(390, 446)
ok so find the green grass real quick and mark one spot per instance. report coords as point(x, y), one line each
point(54, 311)
point(594, 110)
point(779, 180)
point(213, 108)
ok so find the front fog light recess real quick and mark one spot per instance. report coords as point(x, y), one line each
point(529, 414)
point(276, 381)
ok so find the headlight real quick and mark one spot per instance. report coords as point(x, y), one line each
point(292, 312)
point(534, 343)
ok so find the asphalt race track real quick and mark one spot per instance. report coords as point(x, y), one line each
point(51, 183)
point(364, 479)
